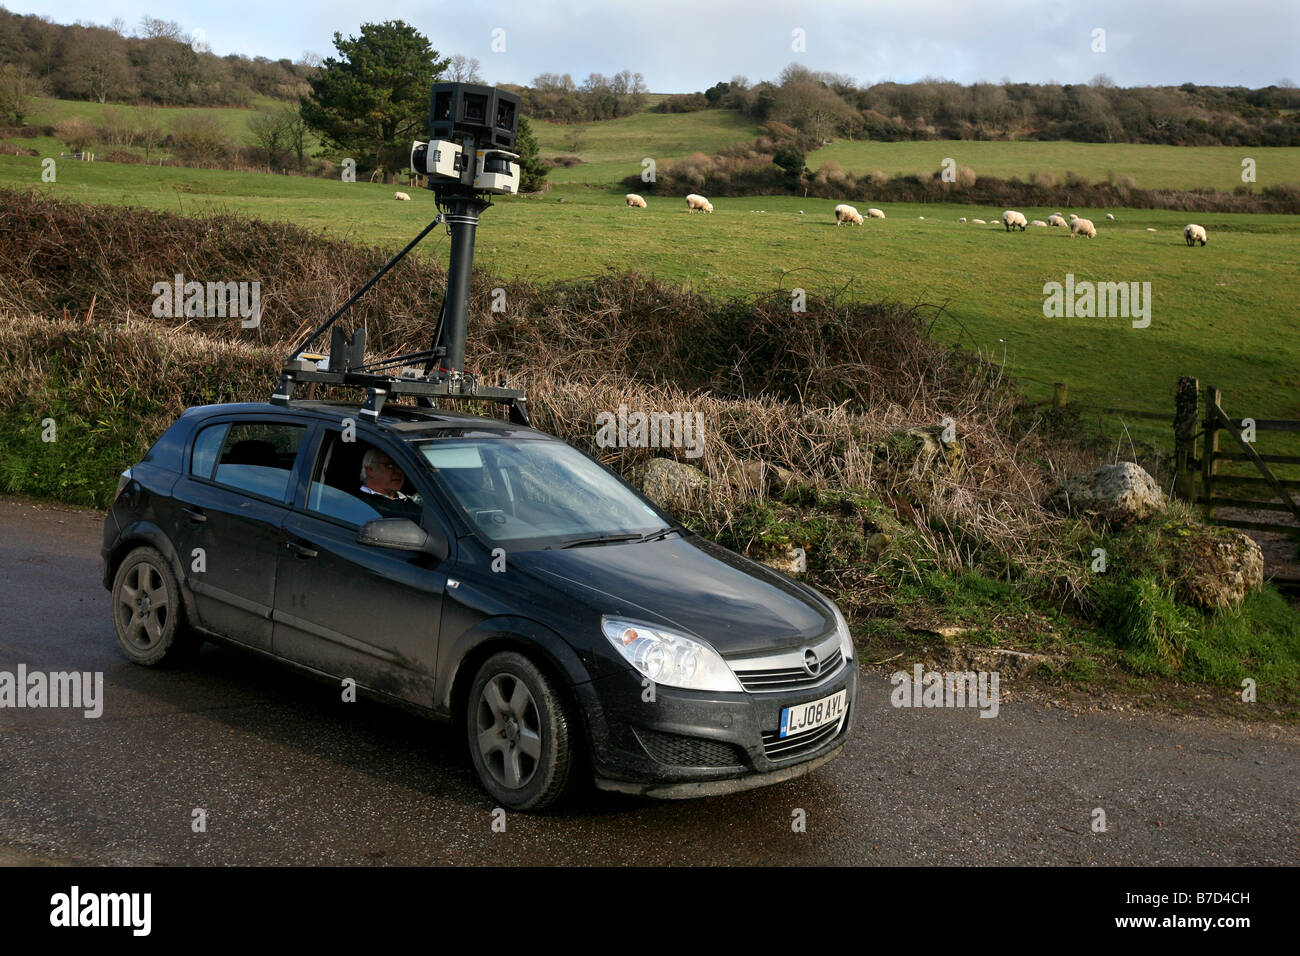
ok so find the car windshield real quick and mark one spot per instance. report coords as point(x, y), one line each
point(537, 493)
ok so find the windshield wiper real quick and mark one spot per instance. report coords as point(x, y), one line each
point(600, 539)
point(656, 535)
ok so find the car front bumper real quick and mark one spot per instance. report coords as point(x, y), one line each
point(677, 743)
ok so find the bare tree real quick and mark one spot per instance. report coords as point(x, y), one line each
point(156, 28)
point(270, 133)
point(464, 69)
point(296, 130)
point(149, 128)
point(18, 87)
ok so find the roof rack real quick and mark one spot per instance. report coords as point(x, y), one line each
point(442, 374)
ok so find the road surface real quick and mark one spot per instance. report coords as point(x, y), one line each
point(286, 773)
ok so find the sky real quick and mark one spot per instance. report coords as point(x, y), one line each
point(682, 46)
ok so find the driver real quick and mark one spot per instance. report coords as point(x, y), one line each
point(381, 485)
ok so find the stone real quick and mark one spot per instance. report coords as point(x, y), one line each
point(1122, 495)
point(666, 481)
point(1226, 566)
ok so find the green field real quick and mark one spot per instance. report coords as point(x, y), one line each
point(613, 149)
point(233, 121)
point(1226, 313)
point(1152, 167)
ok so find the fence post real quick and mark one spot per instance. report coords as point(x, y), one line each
point(1209, 449)
point(1186, 399)
point(1060, 395)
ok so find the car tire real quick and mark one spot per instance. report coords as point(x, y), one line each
point(522, 738)
point(148, 616)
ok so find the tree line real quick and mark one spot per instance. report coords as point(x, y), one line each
point(827, 105)
point(156, 62)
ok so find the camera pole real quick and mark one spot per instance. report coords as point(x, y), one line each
point(461, 215)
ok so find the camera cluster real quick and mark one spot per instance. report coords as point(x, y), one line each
point(472, 132)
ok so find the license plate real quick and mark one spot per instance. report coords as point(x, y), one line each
point(814, 714)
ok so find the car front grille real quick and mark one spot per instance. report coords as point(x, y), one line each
point(777, 748)
point(682, 751)
point(789, 678)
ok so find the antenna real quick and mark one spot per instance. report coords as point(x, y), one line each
point(485, 121)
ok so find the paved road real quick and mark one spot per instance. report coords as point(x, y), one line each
point(288, 774)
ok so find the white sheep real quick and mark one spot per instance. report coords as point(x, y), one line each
point(1056, 219)
point(634, 200)
point(1150, 229)
point(978, 222)
point(402, 196)
point(1073, 217)
point(1194, 234)
point(1039, 222)
point(875, 214)
point(846, 213)
point(1012, 218)
point(696, 202)
point(962, 219)
point(1110, 215)
point(1082, 227)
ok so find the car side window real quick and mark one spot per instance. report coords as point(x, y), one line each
point(335, 489)
point(206, 446)
point(258, 457)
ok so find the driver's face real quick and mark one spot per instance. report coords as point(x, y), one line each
point(385, 477)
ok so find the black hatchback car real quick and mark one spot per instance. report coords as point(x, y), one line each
point(484, 572)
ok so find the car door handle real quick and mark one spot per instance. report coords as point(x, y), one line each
point(301, 551)
point(196, 516)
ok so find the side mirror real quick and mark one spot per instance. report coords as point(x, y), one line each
point(403, 534)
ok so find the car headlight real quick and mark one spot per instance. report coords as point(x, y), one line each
point(669, 658)
point(846, 638)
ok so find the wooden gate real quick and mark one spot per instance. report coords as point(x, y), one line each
point(1199, 416)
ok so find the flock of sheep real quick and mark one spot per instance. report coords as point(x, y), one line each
point(846, 214)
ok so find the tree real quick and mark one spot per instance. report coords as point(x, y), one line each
point(791, 159)
point(270, 134)
point(18, 87)
point(532, 171)
point(296, 129)
point(374, 97)
point(149, 128)
point(463, 69)
point(98, 63)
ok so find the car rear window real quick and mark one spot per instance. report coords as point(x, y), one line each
point(259, 457)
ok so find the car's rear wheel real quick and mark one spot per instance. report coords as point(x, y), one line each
point(147, 613)
point(521, 736)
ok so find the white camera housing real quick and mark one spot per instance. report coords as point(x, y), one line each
point(496, 171)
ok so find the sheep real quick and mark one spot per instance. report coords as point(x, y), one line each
point(875, 214)
point(962, 219)
point(1012, 218)
point(1150, 229)
point(402, 196)
point(1110, 215)
point(978, 222)
point(1039, 222)
point(1073, 217)
point(634, 200)
point(1194, 234)
point(1056, 219)
point(1082, 227)
point(846, 213)
point(694, 202)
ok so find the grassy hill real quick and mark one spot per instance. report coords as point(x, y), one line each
point(613, 149)
point(49, 111)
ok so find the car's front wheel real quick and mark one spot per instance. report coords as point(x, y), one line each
point(147, 613)
point(521, 736)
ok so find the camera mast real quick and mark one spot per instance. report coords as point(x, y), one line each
point(472, 132)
